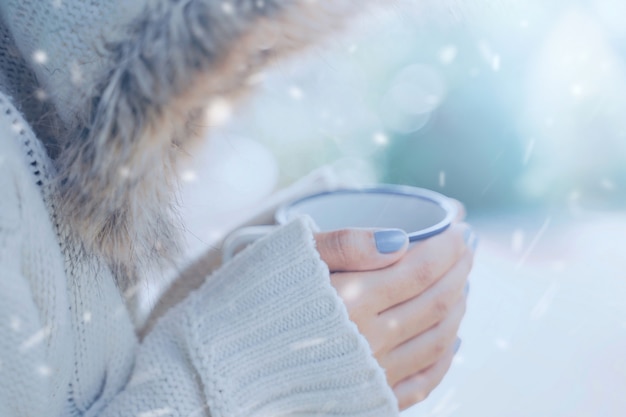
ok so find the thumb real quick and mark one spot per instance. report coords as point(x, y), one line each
point(361, 249)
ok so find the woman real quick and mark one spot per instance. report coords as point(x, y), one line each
point(96, 102)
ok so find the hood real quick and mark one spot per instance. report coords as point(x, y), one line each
point(118, 90)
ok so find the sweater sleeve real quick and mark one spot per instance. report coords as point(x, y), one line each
point(266, 335)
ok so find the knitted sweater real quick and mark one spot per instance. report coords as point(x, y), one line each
point(266, 335)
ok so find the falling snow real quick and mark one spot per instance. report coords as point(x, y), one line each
point(448, 54)
point(76, 74)
point(496, 63)
point(296, 93)
point(534, 242)
point(575, 196)
point(41, 95)
point(189, 176)
point(44, 370)
point(303, 344)
point(15, 323)
point(36, 339)
point(458, 359)
point(607, 184)
point(352, 291)
point(228, 8)
point(381, 139)
point(446, 406)
point(491, 58)
point(502, 344)
point(577, 90)
point(159, 412)
point(256, 78)
point(17, 126)
point(544, 303)
point(40, 57)
point(529, 151)
point(124, 172)
point(219, 111)
point(517, 241)
point(559, 266)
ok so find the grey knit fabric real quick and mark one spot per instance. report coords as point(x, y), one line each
point(89, 95)
point(266, 335)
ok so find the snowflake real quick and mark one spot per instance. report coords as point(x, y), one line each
point(40, 57)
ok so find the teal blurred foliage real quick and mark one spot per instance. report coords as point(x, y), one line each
point(520, 111)
point(469, 150)
point(491, 142)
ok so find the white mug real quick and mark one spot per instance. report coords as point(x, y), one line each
point(421, 213)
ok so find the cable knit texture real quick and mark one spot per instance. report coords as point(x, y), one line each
point(95, 99)
point(265, 336)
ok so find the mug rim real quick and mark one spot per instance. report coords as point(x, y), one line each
point(439, 199)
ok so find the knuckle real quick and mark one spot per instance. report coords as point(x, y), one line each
point(422, 392)
point(423, 274)
point(422, 395)
point(342, 247)
point(415, 397)
point(421, 387)
point(440, 309)
point(439, 348)
point(378, 348)
point(389, 293)
point(387, 334)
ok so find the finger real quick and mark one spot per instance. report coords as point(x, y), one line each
point(424, 350)
point(416, 388)
point(413, 317)
point(423, 265)
point(361, 249)
point(361, 302)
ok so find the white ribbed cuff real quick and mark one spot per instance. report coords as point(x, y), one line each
point(278, 340)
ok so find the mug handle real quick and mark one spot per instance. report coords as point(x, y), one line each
point(240, 238)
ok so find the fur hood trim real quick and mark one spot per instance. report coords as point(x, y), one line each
point(117, 170)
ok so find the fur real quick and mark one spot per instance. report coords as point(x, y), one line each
point(117, 170)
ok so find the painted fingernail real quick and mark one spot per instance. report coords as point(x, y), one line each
point(457, 344)
point(389, 241)
point(471, 240)
point(475, 243)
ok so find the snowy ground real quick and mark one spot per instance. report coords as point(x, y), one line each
point(545, 332)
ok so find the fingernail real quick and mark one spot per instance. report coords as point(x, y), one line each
point(475, 243)
point(457, 344)
point(471, 240)
point(389, 241)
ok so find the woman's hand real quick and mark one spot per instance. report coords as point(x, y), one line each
point(408, 302)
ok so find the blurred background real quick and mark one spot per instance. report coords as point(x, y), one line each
point(514, 107)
